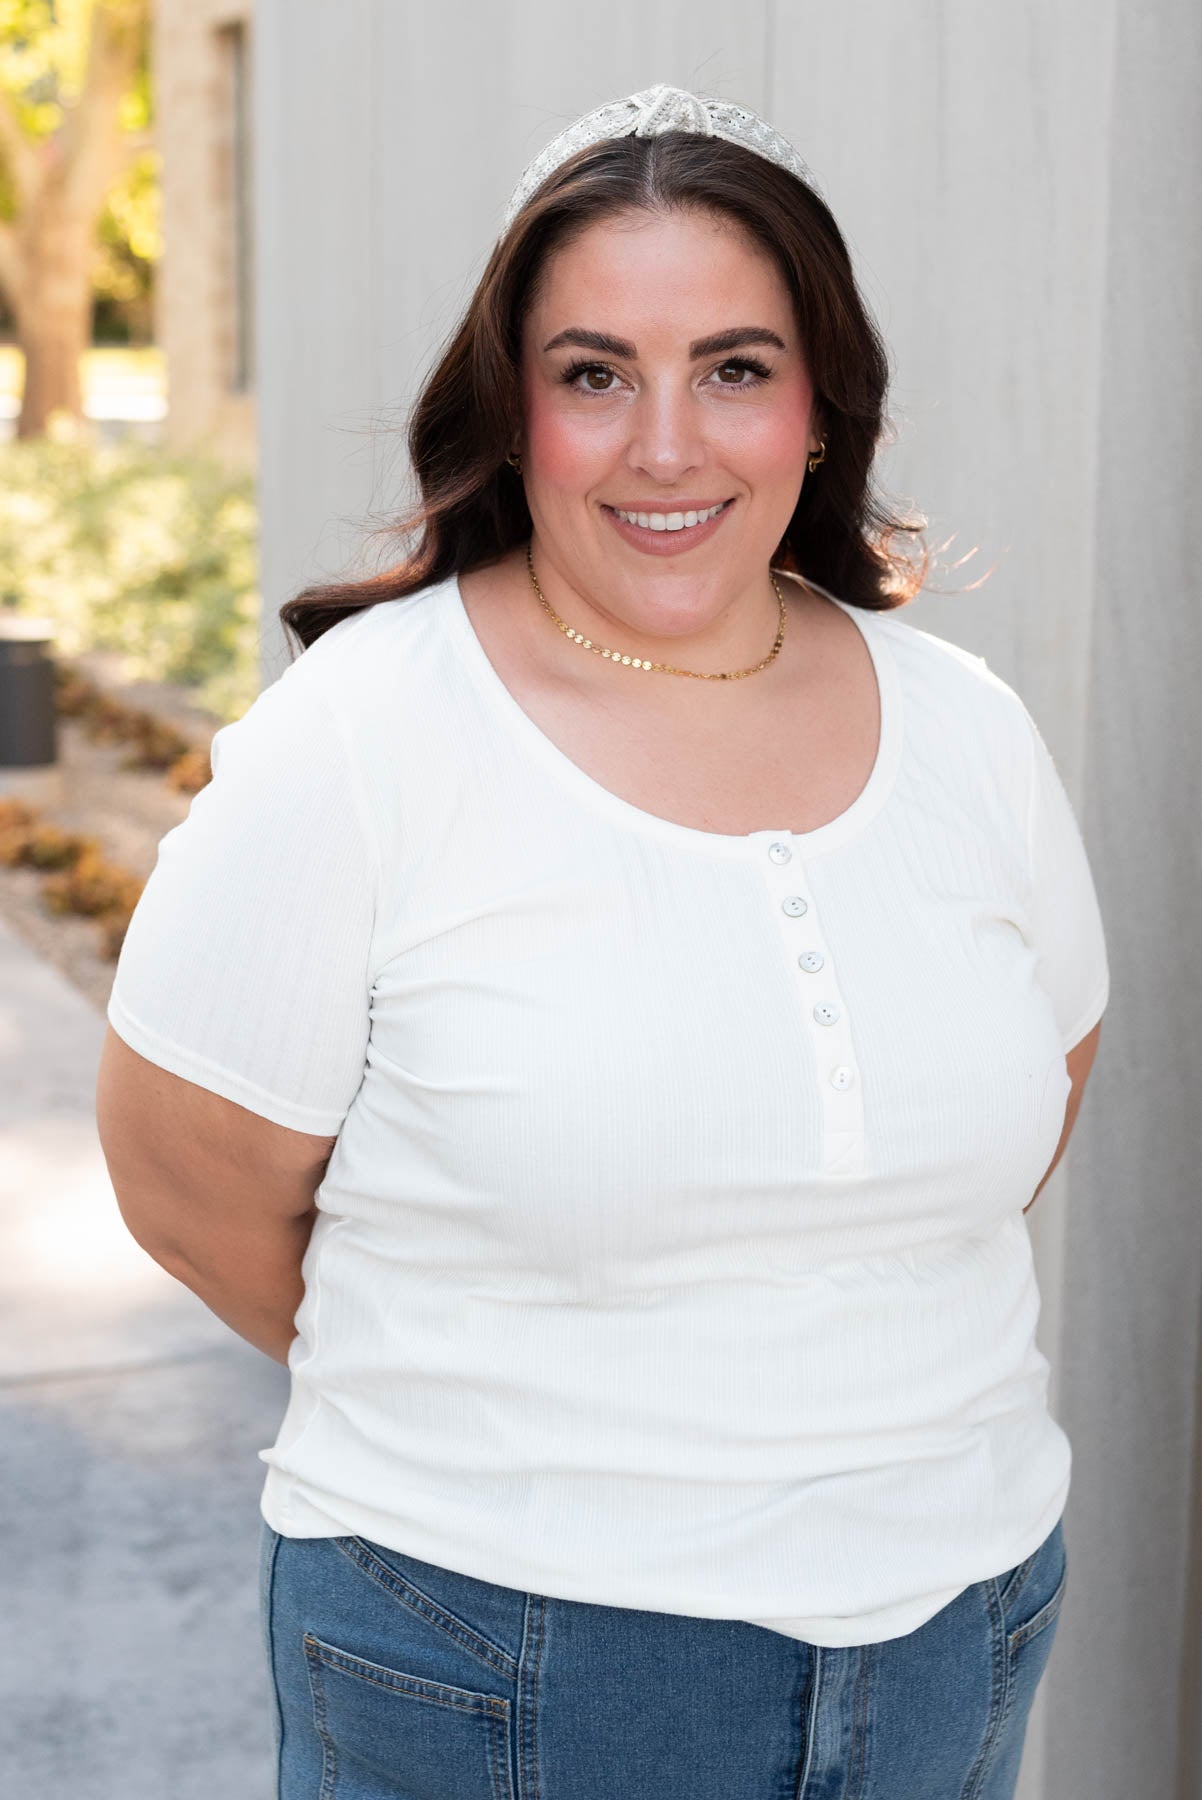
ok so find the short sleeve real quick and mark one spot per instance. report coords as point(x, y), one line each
point(1066, 921)
point(246, 967)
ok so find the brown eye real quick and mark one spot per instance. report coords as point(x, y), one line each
point(578, 371)
point(743, 365)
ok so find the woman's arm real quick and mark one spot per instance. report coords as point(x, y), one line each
point(220, 1197)
point(1079, 1061)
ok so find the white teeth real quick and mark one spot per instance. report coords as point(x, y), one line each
point(675, 521)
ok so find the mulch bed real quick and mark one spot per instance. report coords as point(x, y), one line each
point(103, 793)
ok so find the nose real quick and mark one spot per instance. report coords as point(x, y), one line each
point(666, 433)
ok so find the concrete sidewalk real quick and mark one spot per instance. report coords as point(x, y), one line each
point(130, 1421)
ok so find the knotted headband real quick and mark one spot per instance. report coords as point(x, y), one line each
point(646, 114)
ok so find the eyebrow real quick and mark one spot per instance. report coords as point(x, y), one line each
point(732, 339)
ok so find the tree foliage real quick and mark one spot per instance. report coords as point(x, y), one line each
point(78, 180)
point(129, 549)
point(43, 59)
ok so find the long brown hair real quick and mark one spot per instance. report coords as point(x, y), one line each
point(468, 413)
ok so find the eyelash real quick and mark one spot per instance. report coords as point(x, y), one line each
point(759, 369)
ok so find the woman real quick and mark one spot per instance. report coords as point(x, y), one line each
point(602, 1027)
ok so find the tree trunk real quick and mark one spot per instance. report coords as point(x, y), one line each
point(53, 346)
point(54, 310)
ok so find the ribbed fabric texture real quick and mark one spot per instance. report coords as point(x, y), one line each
point(653, 1266)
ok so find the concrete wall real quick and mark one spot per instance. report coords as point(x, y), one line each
point(204, 292)
point(1019, 187)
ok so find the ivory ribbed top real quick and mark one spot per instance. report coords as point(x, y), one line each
point(671, 1253)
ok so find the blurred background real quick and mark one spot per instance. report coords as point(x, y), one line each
point(233, 236)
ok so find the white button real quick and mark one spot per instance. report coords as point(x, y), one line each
point(842, 1076)
point(780, 853)
point(826, 1012)
point(811, 960)
point(794, 905)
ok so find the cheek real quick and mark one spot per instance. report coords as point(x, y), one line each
point(763, 443)
point(769, 442)
point(571, 452)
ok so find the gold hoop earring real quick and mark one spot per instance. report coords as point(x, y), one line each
point(812, 462)
point(514, 460)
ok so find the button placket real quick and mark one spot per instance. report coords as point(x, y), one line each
point(812, 968)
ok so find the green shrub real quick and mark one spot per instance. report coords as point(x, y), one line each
point(132, 549)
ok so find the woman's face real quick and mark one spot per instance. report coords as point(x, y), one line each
point(662, 373)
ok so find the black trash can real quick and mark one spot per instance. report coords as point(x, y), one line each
point(28, 720)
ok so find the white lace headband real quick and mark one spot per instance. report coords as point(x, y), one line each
point(646, 114)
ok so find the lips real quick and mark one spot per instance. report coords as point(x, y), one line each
point(665, 542)
point(664, 512)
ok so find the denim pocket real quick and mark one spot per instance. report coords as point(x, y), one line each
point(484, 1619)
point(396, 1657)
point(1031, 1593)
point(384, 1731)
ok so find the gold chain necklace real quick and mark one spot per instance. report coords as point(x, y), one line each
point(641, 662)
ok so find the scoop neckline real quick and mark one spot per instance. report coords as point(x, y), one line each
point(845, 825)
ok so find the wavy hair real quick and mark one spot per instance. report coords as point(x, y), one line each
point(472, 509)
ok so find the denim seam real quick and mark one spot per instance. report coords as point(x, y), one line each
point(329, 1753)
point(811, 1722)
point(526, 1692)
point(999, 1698)
point(501, 1735)
point(415, 1687)
point(268, 1598)
point(1008, 1703)
point(1015, 1585)
point(855, 1775)
point(402, 1590)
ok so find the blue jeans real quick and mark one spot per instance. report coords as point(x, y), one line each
point(396, 1679)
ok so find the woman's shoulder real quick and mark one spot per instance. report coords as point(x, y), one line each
point(935, 656)
point(949, 676)
point(376, 653)
point(360, 696)
point(359, 635)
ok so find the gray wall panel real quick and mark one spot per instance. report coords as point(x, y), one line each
point(1125, 1685)
point(1019, 187)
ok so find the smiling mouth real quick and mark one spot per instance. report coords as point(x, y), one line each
point(669, 522)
